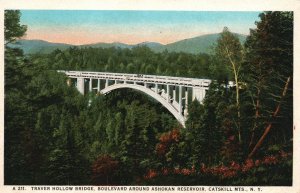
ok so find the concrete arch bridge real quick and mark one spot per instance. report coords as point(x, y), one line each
point(174, 93)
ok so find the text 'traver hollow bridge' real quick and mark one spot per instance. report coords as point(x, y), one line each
point(174, 93)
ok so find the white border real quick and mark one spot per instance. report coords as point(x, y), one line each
point(196, 5)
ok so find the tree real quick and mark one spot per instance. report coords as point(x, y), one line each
point(195, 111)
point(138, 139)
point(171, 150)
point(17, 119)
point(269, 62)
point(12, 27)
point(14, 61)
point(229, 52)
point(104, 170)
point(208, 133)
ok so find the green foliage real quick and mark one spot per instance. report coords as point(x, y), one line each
point(229, 52)
point(56, 136)
point(39, 111)
point(269, 62)
point(140, 60)
point(206, 126)
point(13, 30)
point(229, 49)
point(171, 150)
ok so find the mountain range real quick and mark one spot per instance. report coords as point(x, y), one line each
point(199, 44)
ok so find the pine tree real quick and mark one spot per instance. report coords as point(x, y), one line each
point(13, 30)
point(270, 67)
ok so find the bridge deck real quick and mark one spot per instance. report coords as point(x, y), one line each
point(187, 82)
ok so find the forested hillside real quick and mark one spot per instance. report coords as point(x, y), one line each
point(136, 60)
point(241, 135)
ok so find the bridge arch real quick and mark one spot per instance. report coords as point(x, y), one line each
point(149, 92)
point(175, 100)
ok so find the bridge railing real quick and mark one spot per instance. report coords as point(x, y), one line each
point(188, 82)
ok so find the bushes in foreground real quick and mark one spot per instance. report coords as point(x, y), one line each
point(270, 170)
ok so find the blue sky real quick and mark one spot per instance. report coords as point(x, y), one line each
point(81, 27)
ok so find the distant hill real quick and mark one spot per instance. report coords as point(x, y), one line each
point(199, 44)
point(152, 45)
point(107, 45)
point(38, 46)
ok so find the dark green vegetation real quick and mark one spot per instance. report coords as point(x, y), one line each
point(200, 44)
point(136, 60)
point(239, 136)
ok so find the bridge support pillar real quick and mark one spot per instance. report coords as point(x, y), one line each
point(199, 94)
point(156, 88)
point(80, 85)
point(168, 93)
point(106, 83)
point(174, 93)
point(90, 85)
point(98, 86)
point(186, 102)
point(180, 100)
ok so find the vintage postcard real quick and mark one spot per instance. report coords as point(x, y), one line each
point(121, 96)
